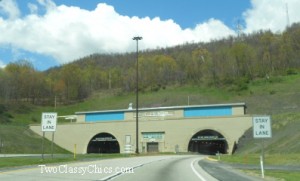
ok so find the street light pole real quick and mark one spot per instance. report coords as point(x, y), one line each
point(137, 38)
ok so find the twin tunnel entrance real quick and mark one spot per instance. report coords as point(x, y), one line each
point(207, 142)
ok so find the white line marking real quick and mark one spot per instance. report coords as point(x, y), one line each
point(195, 171)
point(113, 176)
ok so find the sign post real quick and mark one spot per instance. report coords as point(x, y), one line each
point(48, 125)
point(262, 129)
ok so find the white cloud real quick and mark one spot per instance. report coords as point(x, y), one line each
point(67, 33)
point(2, 64)
point(33, 8)
point(271, 15)
point(10, 8)
point(212, 29)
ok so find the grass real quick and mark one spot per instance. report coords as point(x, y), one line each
point(276, 96)
point(254, 159)
point(20, 139)
point(278, 174)
point(22, 161)
point(285, 134)
point(286, 175)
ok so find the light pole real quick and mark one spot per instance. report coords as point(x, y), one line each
point(137, 38)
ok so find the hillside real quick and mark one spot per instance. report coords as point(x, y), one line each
point(229, 63)
point(20, 139)
point(278, 96)
point(285, 137)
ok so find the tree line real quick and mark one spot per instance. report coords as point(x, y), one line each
point(229, 62)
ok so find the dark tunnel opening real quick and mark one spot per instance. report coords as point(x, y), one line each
point(208, 142)
point(103, 143)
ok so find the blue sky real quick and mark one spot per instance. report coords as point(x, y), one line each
point(186, 13)
point(54, 32)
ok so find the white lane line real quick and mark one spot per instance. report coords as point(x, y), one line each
point(113, 176)
point(118, 174)
point(195, 171)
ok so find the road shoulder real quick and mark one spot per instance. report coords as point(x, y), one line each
point(225, 172)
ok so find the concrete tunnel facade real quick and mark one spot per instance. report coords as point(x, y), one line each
point(205, 129)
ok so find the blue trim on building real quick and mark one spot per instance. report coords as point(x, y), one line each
point(165, 108)
point(208, 111)
point(108, 116)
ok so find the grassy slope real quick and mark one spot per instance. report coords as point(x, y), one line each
point(20, 139)
point(282, 101)
point(278, 96)
point(285, 137)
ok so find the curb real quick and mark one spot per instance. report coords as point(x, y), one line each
point(211, 159)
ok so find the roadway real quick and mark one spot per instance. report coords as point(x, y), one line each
point(146, 168)
point(175, 168)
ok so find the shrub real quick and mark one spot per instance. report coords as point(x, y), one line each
point(291, 71)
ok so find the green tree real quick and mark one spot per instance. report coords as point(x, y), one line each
point(205, 67)
point(20, 80)
point(71, 75)
point(157, 71)
point(243, 54)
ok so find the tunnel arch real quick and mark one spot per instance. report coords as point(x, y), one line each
point(103, 143)
point(208, 142)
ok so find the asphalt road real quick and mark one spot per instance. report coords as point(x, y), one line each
point(146, 168)
point(181, 168)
